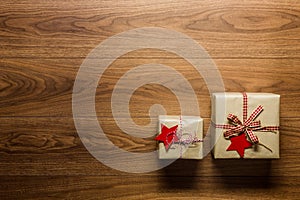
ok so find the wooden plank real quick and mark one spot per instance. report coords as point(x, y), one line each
point(145, 187)
point(42, 87)
point(255, 44)
point(227, 30)
point(51, 146)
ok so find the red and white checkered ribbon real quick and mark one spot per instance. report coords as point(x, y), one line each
point(236, 127)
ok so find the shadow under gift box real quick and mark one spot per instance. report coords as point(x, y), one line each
point(227, 103)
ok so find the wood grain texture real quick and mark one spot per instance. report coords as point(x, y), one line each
point(149, 187)
point(267, 29)
point(30, 145)
point(255, 45)
point(27, 83)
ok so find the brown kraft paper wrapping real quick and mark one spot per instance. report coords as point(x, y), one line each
point(230, 102)
point(188, 125)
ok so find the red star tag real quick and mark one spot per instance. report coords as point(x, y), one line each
point(239, 144)
point(167, 135)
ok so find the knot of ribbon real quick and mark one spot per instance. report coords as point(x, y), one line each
point(248, 126)
point(190, 140)
point(170, 136)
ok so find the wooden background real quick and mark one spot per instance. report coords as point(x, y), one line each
point(255, 44)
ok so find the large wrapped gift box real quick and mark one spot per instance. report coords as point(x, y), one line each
point(245, 125)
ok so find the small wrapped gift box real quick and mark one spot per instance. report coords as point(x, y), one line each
point(246, 125)
point(180, 137)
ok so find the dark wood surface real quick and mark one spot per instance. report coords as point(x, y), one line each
point(255, 45)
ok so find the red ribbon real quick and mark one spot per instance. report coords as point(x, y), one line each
point(236, 127)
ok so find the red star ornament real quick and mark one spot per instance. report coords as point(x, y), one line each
point(167, 135)
point(239, 144)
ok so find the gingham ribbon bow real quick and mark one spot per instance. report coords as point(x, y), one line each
point(248, 126)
